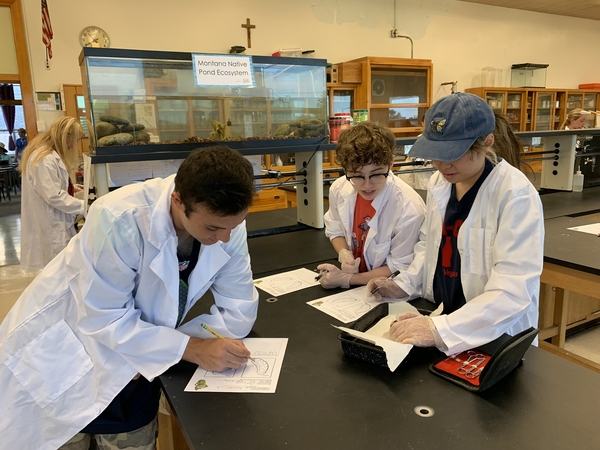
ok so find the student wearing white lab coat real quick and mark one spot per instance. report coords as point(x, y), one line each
point(484, 267)
point(48, 205)
point(374, 217)
point(105, 313)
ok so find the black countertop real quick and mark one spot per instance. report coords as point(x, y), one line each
point(558, 204)
point(325, 399)
point(573, 249)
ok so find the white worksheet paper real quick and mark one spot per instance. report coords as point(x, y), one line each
point(592, 228)
point(378, 334)
point(346, 306)
point(286, 282)
point(258, 376)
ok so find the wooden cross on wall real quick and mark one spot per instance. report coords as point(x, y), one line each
point(248, 28)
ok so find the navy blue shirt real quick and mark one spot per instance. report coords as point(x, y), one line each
point(447, 286)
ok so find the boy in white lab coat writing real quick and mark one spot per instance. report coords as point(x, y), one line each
point(82, 347)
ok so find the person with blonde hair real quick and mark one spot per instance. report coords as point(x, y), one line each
point(48, 205)
point(575, 119)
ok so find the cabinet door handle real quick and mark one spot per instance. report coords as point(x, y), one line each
point(277, 197)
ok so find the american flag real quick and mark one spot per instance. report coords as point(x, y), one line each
point(47, 33)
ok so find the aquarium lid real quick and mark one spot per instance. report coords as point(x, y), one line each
point(530, 66)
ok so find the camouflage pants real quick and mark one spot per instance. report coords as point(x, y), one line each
point(141, 439)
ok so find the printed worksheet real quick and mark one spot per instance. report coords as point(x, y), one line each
point(260, 375)
point(592, 228)
point(286, 282)
point(346, 306)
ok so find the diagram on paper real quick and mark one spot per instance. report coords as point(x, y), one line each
point(346, 306)
point(260, 374)
point(286, 282)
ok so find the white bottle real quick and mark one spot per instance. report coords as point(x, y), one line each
point(578, 181)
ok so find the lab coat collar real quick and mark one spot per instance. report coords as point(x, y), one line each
point(440, 191)
point(349, 195)
point(163, 237)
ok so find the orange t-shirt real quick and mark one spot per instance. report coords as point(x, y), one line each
point(363, 213)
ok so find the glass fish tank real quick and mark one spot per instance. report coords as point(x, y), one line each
point(149, 98)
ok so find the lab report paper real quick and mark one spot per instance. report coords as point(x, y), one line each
point(286, 282)
point(346, 306)
point(259, 375)
point(593, 228)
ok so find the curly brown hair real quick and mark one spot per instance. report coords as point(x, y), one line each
point(364, 144)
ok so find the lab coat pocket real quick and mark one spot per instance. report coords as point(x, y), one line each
point(50, 364)
point(480, 241)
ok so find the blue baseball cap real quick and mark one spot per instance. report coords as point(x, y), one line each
point(452, 125)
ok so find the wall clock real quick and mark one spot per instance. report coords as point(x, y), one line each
point(94, 37)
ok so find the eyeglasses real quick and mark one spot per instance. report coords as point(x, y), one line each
point(375, 178)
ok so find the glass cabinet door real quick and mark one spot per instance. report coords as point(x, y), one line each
point(341, 101)
point(590, 104)
point(514, 110)
point(496, 101)
point(399, 97)
point(544, 111)
point(574, 101)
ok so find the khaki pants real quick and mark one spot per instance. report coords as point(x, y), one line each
point(141, 439)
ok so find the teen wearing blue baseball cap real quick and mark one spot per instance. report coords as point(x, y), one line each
point(482, 254)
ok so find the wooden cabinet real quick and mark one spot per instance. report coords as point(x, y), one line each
point(396, 91)
point(268, 199)
point(74, 106)
point(535, 109)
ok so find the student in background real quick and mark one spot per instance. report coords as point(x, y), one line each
point(374, 217)
point(482, 252)
point(83, 346)
point(575, 119)
point(20, 144)
point(48, 205)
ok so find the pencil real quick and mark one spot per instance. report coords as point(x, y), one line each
point(391, 277)
point(210, 330)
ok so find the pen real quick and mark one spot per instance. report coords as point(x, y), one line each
point(389, 278)
point(210, 330)
point(318, 277)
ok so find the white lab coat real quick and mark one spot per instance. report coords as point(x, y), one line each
point(501, 245)
point(47, 211)
point(393, 231)
point(105, 309)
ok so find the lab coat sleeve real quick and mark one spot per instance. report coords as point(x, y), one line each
point(107, 260)
point(334, 227)
point(406, 236)
point(411, 280)
point(236, 299)
point(46, 182)
point(512, 289)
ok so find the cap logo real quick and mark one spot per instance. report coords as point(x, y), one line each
point(437, 125)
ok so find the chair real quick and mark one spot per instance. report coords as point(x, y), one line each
point(5, 182)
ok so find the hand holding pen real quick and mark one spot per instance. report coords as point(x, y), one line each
point(387, 287)
point(321, 273)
